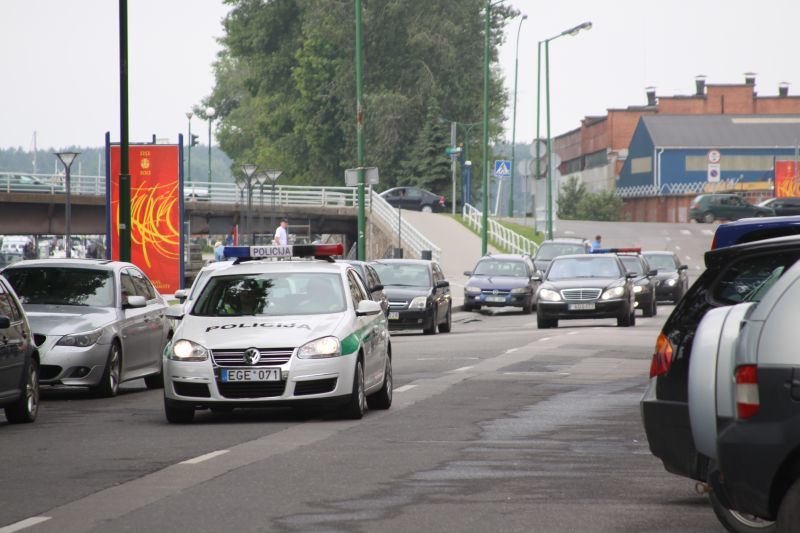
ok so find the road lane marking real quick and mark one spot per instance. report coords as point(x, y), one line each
point(23, 524)
point(545, 339)
point(686, 232)
point(677, 247)
point(462, 369)
point(688, 258)
point(568, 232)
point(708, 232)
point(668, 238)
point(529, 325)
point(205, 457)
point(404, 388)
point(572, 333)
point(446, 358)
point(512, 350)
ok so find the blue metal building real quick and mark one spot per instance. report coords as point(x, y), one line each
point(678, 153)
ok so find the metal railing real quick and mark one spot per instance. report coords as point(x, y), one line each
point(415, 241)
point(51, 183)
point(506, 238)
point(680, 189)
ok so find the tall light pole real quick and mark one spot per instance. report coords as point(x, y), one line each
point(124, 143)
point(514, 124)
point(189, 149)
point(273, 175)
point(210, 112)
point(66, 159)
point(571, 32)
point(362, 248)
point(249, 169)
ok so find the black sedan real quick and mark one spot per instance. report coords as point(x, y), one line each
point(419, 296)
point(673, 279)
point(586, 286)
point(19, 360)
point(644, 285)
point(783, 206)
point(415, 199)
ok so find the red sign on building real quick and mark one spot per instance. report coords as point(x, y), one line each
point(786, 183)
point(156, 212)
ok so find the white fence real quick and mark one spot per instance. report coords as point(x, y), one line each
point(506, 238)
point(413, 239)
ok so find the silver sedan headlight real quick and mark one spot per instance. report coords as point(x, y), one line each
point(320, 348)
point(186, 350)
point(549, 296)
point(80, 340)
point(616, 292)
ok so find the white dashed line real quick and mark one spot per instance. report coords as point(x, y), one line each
point(569, 232)
point(572, 333)
point(688, 258)
point(545, 339)
point(708, 232)
point(462, 369)
point(686, 232)
point(404, 388)
point(512, 350)
point(23, 524)
point(677, 247)
point(668, 238)
point(205, 457)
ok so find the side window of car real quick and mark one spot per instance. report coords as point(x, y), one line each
point(356, 291)
point(16, 312)
point(413, 194)
point(5, 306)
point(143, 288)
point(748, 279)
point(127, 288)
point(437, 273)
point(372, 276)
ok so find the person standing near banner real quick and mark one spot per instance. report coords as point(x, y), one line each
point(282, 234)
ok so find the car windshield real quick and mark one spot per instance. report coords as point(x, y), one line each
point(198, 282)
point(403, 274)
point(63, 286)
point(632, 264)
point(584, 267)
point(549, 251)
point(277, 294)
point(766, 203)
point(493, 267)
point(661, 262)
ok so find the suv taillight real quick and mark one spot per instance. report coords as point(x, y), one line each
point(441, 200)
point(695, 206)
point(747, 402)
point(662, 358)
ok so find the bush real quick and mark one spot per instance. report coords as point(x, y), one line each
point(575, 203)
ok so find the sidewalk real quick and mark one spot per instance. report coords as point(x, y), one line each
point(461, 248)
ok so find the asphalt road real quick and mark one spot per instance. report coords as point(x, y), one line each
point(495, 427)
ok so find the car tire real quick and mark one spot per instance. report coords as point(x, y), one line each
point(25, 409)
point(736, 522)
point(545, 323)
point(178, 414)
point(448, 324)
point(624, 321)
point(789, 510)
point(426, 209)
point(109, 382)
point(633, 316)
point(434, 324)
point(708, 217)
point(357, 402)
point(650, 310)
point(467, 308)
point(528, 307)
point(154, 381)
point(383, 398)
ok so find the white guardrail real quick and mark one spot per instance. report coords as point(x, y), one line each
point(413, 239)
point(506, 238)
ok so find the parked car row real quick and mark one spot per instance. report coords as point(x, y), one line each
point(721, 405)
point(710, 207)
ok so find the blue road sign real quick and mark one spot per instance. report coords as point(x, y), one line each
point(502, 168)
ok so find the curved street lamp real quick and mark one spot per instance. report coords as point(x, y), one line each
point(249, 169)
point(66, 159)
point(514, 124)
point(210, 112)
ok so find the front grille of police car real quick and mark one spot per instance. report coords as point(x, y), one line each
point(269, 357)
point(573, 295)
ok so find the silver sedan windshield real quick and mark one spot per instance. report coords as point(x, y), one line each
point(63, 286)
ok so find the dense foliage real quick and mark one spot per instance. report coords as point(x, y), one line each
point(576, 203)
point(285, 85)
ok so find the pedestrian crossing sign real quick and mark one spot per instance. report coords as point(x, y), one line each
point(502, 168)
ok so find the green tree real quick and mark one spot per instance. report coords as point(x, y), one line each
point(604, 205)
point(569, 198)
point(426, 165)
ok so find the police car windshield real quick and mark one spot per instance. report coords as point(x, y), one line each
point(274, 294)
point(62, 286)
point(549, 251)
point(580, 267)
point(403, 275)
point(493, 267)
point(661, 262)
point(632, 264)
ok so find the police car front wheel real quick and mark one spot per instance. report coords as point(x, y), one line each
point(178, 414)
point(357, 403)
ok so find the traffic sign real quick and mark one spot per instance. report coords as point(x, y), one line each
point(453, 151)
point(502, 168)
point(370, 176)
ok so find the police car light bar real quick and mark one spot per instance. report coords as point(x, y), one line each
point(244, 253)
point(616, 250)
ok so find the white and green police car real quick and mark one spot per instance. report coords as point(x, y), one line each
point(288, 332)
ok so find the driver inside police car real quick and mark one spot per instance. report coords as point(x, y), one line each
point(247, 297)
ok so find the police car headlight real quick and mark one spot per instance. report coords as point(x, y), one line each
point(549, 296)
point(637, 289)
point(519, 290)
point(420, 302)
point(184, 350)
point(616, 292)
point(320, 348)
point(472, 290)
point(80, 340)
point(671, 282)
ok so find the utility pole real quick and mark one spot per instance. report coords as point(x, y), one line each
point(485, 162)
point(360, 139)
point(189, 149)
point(124, 172)
point(453, 165)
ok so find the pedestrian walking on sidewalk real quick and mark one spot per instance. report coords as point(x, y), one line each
point(282, 234)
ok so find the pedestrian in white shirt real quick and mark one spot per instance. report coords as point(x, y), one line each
point(282, 234)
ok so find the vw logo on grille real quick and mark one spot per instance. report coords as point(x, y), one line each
point(252, 356)
point(495, 291)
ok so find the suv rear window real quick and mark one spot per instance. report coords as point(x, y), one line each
point(748, 279)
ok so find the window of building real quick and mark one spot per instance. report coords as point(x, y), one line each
point(641, 165)
point(596, 159)
point(573, 165)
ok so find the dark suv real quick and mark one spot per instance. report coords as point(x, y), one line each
point(19, 361)
point(710, 207)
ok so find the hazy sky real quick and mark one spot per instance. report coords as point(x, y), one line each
point(59, 60)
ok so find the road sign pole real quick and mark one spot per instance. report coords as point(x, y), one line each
point(453, 165)
point(124, 170)
point(549, 142)
point(485, 161)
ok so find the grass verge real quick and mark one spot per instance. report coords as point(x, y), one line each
point(526, 232)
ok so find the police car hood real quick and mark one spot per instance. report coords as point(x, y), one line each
point(258, 331)
point(66, 319)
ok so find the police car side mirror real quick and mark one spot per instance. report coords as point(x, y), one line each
point(376, 288)
point(135, 302)
point(468, 273)
point(5, 322)
point(631, 275)
point(175, 312)
point(683, 267)
point(181, 295)
point(653, 273)
point(442, 284)
point(536, 277)
point(368, 307)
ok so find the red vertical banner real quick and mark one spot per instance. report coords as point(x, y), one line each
point(785, 184)
point(155, 212)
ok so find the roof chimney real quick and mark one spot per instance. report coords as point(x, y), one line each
point(651, 96)
point(783, 89)
point(700, 83)
point(750, 78)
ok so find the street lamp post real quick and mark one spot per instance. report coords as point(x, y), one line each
point(249, 169)
point(362, 248)
point(210, 112)
point(189, 149)
point(66, 159)
point(273, 175)
point(571, 32)
point(514, 124)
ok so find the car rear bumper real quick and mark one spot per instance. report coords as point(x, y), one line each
point(562, 310)
point(408, 319)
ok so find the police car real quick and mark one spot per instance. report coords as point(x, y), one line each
point(266, 332)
